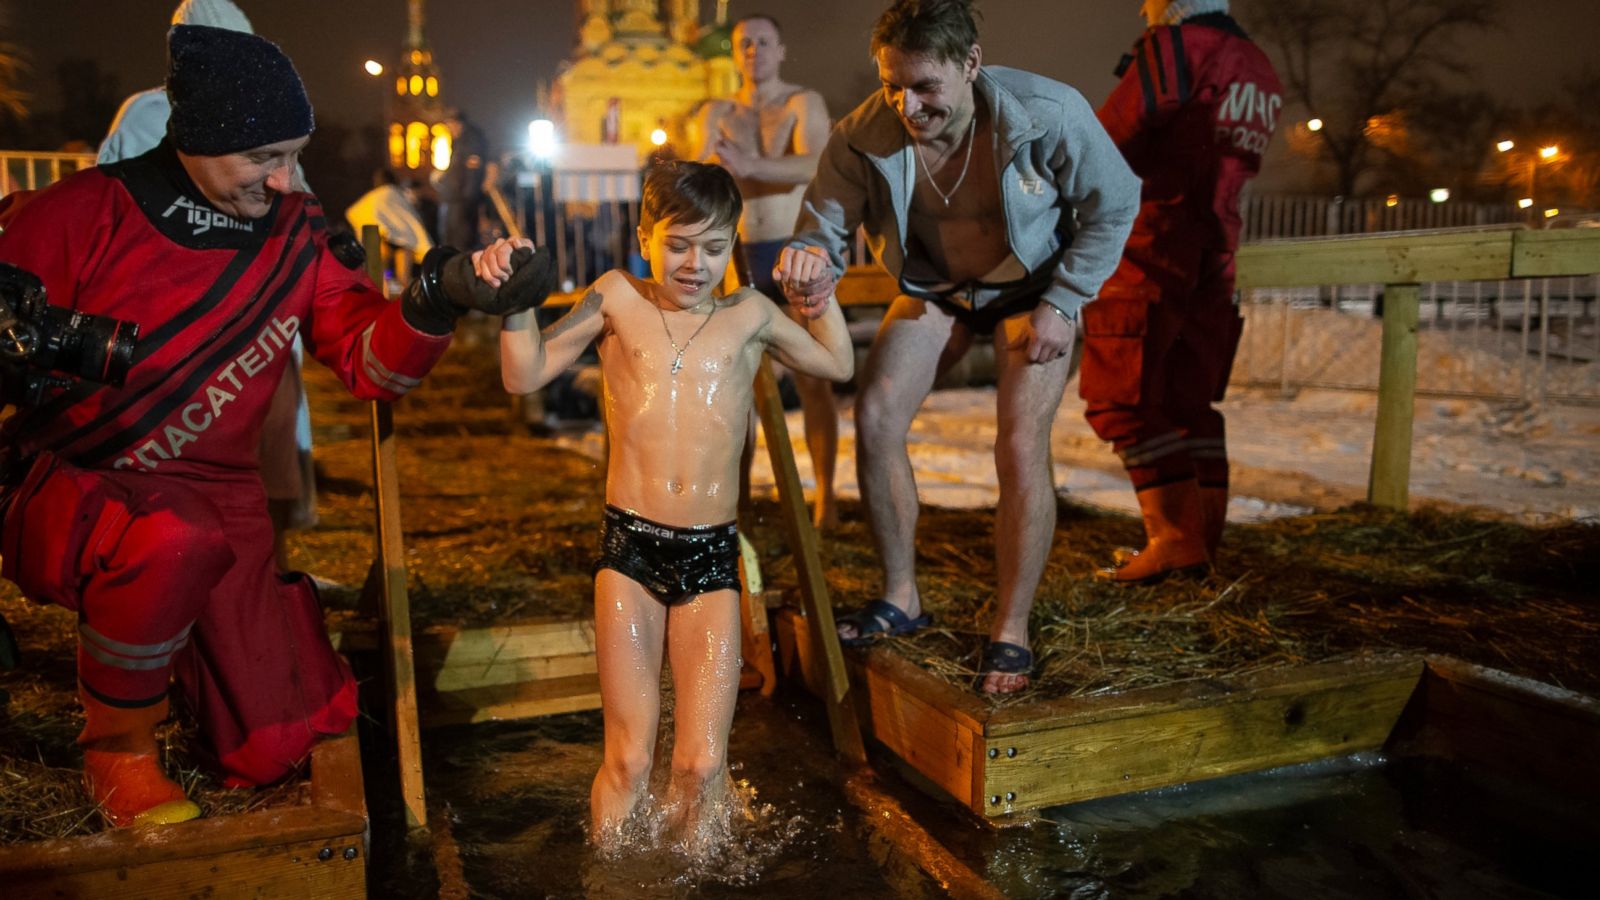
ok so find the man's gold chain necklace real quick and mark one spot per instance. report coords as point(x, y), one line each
point(971, 133)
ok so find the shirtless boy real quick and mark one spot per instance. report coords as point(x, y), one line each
point(679, 364)
point(768, 137)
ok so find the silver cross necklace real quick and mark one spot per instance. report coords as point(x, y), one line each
point(972, 129)
point(678, 352)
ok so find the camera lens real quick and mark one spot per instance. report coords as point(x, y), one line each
point(96, 348)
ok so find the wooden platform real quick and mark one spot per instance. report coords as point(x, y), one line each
point(496, 673)
point(999, 762)
point(319, 850)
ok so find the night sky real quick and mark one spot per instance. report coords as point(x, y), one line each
point(493, 52)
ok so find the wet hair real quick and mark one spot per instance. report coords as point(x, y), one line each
point(762, 17)
point(688, 192)
point(943, 29)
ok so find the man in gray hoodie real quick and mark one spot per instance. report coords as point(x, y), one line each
point(999, 205)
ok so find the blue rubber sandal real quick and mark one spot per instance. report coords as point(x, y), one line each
point(880, 619)
point(1005, 658)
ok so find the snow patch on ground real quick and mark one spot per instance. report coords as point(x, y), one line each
point(1290, 455)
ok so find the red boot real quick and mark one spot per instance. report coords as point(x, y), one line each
point(1174, 534)
point(122, 765)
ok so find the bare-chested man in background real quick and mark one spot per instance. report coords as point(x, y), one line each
point(769, 137)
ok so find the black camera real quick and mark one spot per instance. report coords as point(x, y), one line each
point(39, 343)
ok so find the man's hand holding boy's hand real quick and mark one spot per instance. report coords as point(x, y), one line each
point(508, 276)
point(806, 276)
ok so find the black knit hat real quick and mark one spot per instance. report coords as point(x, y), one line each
point(231, 91)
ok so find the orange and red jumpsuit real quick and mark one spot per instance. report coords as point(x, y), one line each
point(1193, 113)
point(141, 507)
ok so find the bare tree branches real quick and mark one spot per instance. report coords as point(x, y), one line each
point(1355, 62)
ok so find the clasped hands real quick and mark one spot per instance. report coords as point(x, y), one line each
point(806, 276)
point(509, 276)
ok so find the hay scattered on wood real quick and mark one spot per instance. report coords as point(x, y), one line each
point(1308, 589)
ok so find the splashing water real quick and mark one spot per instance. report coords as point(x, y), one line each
point(731, 839)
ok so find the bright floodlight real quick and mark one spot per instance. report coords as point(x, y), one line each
point(542, 138)
point(1439, 195)
point(1552, 213)
point(1314, 125)
point(373, 67)
point(1548, 152)
point(658, 137)
point(1503, 146)
point(1525, 203)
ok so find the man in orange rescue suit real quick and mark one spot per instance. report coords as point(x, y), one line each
point(140, 507)
point(1192, 114)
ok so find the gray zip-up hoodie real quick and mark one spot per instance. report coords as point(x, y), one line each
point(1067, 195)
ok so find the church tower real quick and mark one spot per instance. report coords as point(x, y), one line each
point(638, 67)
point(419, 142)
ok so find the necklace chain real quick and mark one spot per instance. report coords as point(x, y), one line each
point(678, 352)
point(926, 170)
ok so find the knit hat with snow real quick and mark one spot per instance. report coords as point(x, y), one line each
point(214, 13)
point(231, 91)
point(1178, 10)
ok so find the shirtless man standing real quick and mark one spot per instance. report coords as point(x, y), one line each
point(768, 138)
point(679, 365)
point(999, 204)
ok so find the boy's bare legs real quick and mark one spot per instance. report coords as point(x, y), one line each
point(916, 341)
point(629, 625)
point(703, 644)
point(1027, 398)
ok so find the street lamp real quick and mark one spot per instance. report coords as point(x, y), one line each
point(542, 141)
point(1548, 153)
point(1314, 125)
point(373, 67)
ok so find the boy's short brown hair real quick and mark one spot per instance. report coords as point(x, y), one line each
point(943, 29)
point(690, 192)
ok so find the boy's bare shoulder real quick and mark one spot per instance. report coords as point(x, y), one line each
point(748, 298)
point(615, 282)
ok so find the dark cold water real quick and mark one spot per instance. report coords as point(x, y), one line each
point(1360, 827)
point(516, 800)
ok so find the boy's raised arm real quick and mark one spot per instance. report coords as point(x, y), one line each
point(529, 359)
point(821, 347)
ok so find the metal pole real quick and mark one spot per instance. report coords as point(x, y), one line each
point(1544, 337)
point(1522, 354)
point(1283, 349)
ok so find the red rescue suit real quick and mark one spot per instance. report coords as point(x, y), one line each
point(141, 507)
point(1195, 108)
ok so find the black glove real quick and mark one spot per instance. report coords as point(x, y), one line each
point(446, 286)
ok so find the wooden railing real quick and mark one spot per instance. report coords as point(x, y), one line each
point(1402, 262)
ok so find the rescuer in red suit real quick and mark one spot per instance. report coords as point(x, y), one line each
point(1193, 112)
point(140, 507)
